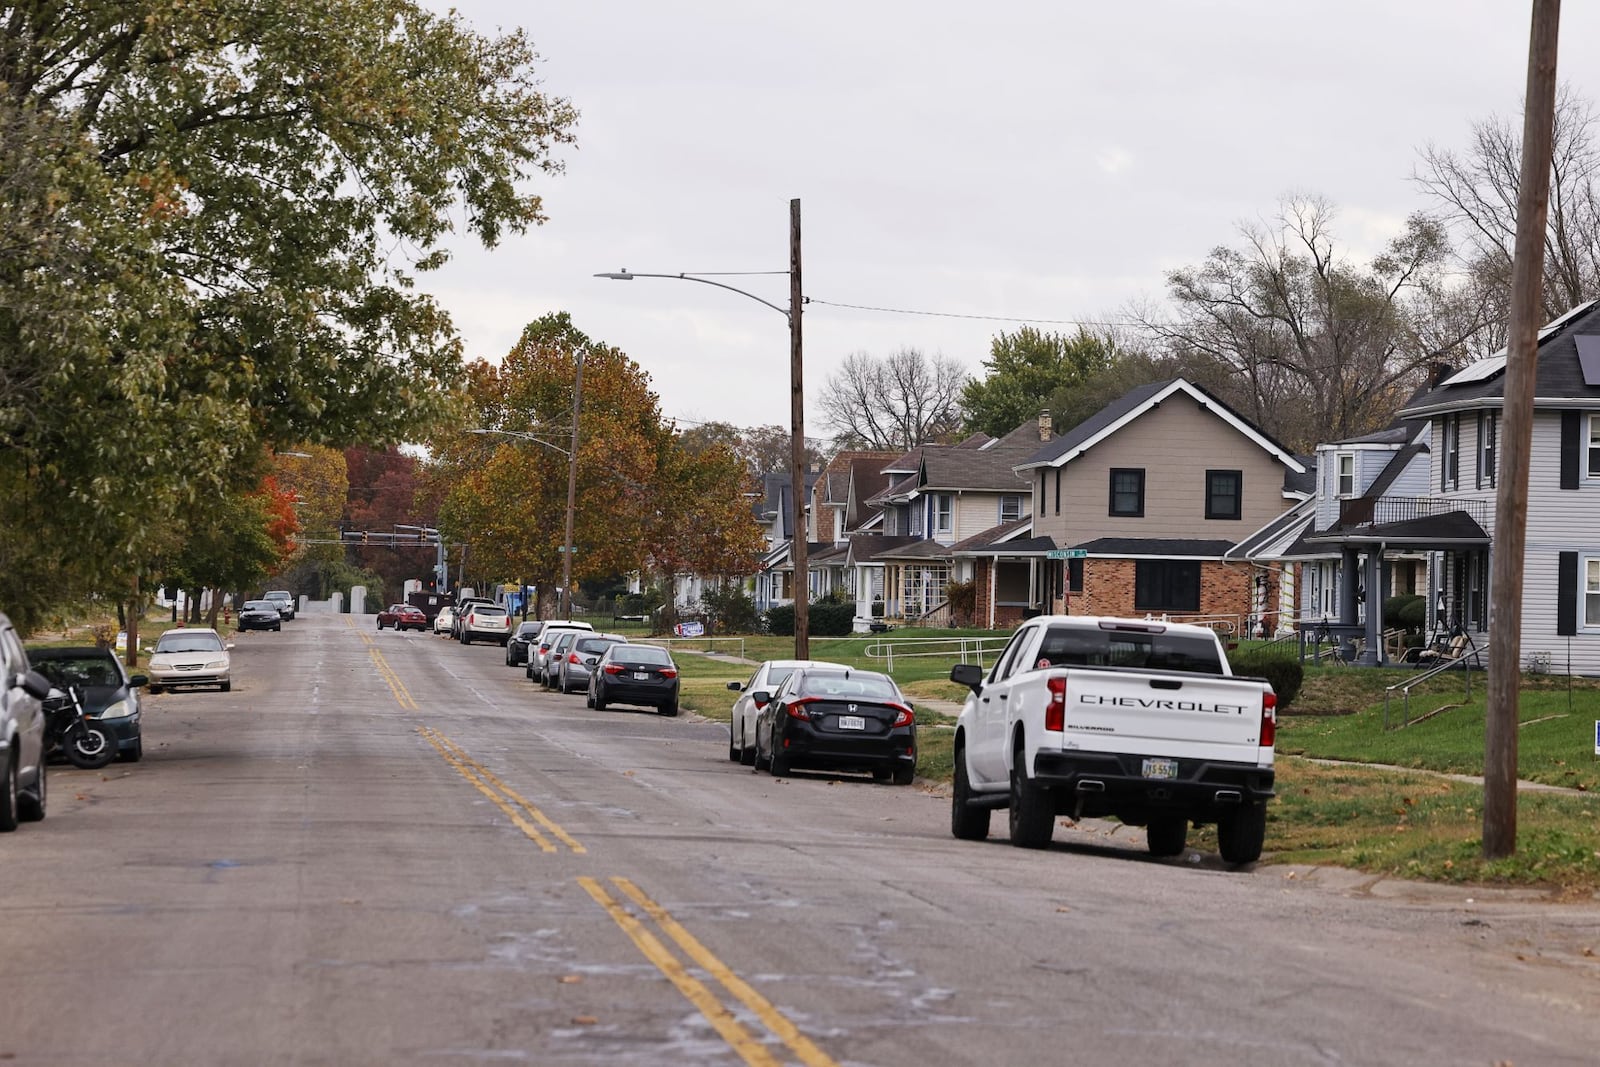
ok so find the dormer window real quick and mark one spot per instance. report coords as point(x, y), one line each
point(1345, 466)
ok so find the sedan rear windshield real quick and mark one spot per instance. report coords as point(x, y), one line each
point(646, 654)
point(1077, 647)
point(597, 644)
point(871, 686)
point(484, 609)
point(171, 642)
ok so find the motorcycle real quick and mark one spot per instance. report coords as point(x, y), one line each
point(86, 742)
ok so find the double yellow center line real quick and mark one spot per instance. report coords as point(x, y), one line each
point(402, 695)
point(501, 795)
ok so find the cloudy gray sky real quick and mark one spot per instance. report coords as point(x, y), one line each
point(1044, 160)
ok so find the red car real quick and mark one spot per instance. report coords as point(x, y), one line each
point(402, 617)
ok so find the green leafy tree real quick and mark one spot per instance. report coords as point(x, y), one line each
point(213, 215)
point(1029, 372)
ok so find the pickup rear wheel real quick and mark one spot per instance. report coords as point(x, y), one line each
point(967, 823)
point(1032, 818)
point(1242, 832)
point(1167, 835)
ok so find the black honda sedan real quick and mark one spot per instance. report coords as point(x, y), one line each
point(838, 720)
point(635, 674)
point(260, 615)
point(108, 692)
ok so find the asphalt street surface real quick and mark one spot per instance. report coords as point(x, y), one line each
point(389, 848)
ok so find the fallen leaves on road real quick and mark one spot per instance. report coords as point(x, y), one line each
point(571, 979)
point(584, 1020)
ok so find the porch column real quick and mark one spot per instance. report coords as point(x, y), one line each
point(1372, 654)
point(1348, 562)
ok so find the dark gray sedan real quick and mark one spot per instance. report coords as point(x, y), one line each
point(108, 692)
point(635, 674)
point(583, 654)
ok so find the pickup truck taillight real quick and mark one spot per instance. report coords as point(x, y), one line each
point(1269, 720)
point(1055, 714)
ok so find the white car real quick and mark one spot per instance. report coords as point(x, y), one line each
point(445, 620)
point(766, 679)
point(488, 621)
point(188, 656)
point(539, 647)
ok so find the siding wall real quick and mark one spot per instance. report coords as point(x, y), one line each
point(1175, 444)
point(1559, 520)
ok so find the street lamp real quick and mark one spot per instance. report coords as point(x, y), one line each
point(572, 484)
point(797, 443)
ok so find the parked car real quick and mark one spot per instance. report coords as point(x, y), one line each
point(485, 622)
point(403, 617)
point(284, 599)
point(840, 720)
point(547, 634)
point(108, 692)
point(766, 679)
point(445, 621)
point(521, 639)
point(635, 674)
point(260, 615)
point(189, 656)
point(464, 605)
point(22, 695)
point(581, 656)
point(562, 640)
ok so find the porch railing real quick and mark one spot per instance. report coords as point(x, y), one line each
point(1378, 511)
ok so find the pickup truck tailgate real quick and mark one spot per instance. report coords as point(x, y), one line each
point(1143, 712)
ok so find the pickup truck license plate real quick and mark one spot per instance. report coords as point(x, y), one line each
point(1160, 768)
point(852, 722)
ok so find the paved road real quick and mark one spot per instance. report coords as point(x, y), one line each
point(386, 848)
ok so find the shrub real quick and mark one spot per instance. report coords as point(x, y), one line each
point(830, 619)
point(1283, 673)
point(729, 610)
point(963, 597)
point(1407, 610)
point(780, 620)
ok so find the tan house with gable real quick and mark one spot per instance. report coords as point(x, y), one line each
point(1155, 489)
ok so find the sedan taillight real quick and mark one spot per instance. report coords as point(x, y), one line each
point(572, 657)
point(797, 710)
point(902, 715)
point(668, 672)
point(614, 668)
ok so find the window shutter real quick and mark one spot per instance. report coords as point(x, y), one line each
point(1567, 594)
point(1569, 449)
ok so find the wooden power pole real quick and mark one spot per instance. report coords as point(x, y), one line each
point(1511, 499)
point(797, 448)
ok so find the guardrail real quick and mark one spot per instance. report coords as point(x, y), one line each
point(964, 649)
point(1469, 660)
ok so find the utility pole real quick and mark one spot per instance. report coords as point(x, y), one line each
point(797, 448)
point(572, 495)
point(1511, 499)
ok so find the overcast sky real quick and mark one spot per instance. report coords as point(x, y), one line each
point(1043, 160)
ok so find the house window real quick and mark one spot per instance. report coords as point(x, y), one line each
point(1127, 491)
point(1058, 494)
point(1223, 492)
point(1166, 585)
point(1010, 508)
point(1450, 453)
point(1594, 446)
point(1346, 463)
point(923, 589)
point(1075, 575)
point(1488, 426)
point(1039, 496)
point(944, 513)
point(1591, 592)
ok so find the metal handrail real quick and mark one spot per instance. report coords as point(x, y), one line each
point(1470, 657)
point(950, 646)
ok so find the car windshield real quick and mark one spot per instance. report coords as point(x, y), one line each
point(176, 642)
point(260, 605)
point(853, 684)
point(528, 629)
point(484, 609)
point(776, 676)
point(279, 594)
point(81, 671)
point(643, 655)
point(1078, 647)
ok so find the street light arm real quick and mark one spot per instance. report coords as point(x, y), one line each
point(519, 435)
point(628, 276)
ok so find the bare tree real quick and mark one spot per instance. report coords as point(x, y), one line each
point(897, 402)
point(1310, 345)
point(1477, 192)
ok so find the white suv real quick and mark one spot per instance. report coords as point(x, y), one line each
point(490, 621)
point(539, 647)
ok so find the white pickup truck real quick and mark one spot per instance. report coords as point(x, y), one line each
point(1145, 721)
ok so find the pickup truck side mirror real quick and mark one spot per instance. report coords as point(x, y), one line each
point(967, 674)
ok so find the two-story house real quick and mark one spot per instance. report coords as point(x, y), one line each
point(1155, 490)
point(774, 512)
point(840, 510)
point(1561, 563)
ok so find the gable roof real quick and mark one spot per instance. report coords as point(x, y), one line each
point(991, 465)
point(1559, 379)
point(1137, 402)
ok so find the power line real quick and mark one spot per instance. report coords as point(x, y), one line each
point(959, 315)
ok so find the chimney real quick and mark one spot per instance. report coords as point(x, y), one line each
point(1438, 372)
point(1044, 426)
